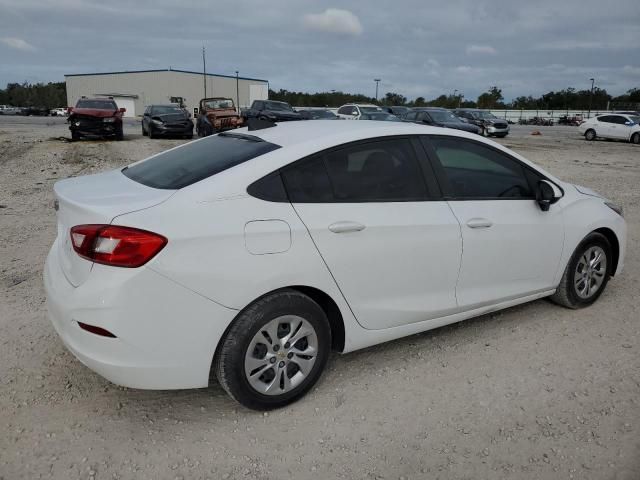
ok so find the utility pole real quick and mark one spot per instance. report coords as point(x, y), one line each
point(377, 80)
point(460, 97)
point(590, 97)
point(455, 90)
point(237, 92)
point(204, 72)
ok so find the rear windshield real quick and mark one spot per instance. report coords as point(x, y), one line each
point(198, 160)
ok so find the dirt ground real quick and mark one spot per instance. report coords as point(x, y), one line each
point(534, 392)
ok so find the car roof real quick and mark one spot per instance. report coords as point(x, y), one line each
point(360, 105)
point(423, 109)
point(330, 132)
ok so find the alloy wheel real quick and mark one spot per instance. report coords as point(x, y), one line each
point(590, 272)
point(281, 355)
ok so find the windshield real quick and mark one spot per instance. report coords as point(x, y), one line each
point(97, 104)
point(218, 103)
point(195, 161)
point(370, 109)
point(164, 109)
point(634, 118)
point(443, 116)
point(278, 106)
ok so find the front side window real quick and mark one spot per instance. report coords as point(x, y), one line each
point(410, 116)
point(378, 171)
point(477, 171)
point(345, 110)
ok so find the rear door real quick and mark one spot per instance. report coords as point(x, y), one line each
point(511, 248)
point(392, 246)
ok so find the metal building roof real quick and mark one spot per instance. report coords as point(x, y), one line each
point(163, 70)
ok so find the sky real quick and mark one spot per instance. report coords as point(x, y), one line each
point(416, 47)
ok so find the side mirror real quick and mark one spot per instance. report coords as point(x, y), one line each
point(629, 123)
point(122, 110)
point(427, 121)
point(146, 114)
point(547, 194)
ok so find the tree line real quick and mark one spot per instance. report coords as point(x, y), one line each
point(566, 99)
point(53, 94)
point(50, 95)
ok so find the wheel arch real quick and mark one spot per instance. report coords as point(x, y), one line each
point(324, 300)
point(615, 246)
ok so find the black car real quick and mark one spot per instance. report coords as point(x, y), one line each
point(438, 117)
point(166, 120)
point(35, 111)
point(488, 123)
point(271, 110)
point(398, 111)
point(317, 114)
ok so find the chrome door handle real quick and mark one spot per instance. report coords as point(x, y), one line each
point(479, 223)
point(343, 227)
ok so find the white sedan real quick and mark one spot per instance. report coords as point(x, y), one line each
point(251, 254)
point(615, 126)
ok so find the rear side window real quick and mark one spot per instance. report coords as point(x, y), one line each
point(196, 161)
point(380, 171)
point(476, 171)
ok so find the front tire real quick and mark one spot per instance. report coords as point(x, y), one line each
point(586, 274)
point(590, 135)
point(635, 138)
point(275, 351)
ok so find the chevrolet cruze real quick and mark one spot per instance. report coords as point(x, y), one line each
point(250, 255)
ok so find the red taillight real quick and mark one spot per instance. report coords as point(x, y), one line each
point(116, 246)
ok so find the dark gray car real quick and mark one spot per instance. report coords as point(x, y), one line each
point(166, 120)
point(489, 124)
point(438, 117)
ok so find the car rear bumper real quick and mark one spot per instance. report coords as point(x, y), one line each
point(166, 334)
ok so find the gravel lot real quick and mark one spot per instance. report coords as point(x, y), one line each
point(536, 391)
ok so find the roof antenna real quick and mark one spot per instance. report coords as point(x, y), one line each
point(259, 124)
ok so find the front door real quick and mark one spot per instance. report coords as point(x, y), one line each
point(511, 248)
point(393, 251)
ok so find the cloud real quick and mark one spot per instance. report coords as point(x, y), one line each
point(334, 20)
point(481, 50)
point(18, 44)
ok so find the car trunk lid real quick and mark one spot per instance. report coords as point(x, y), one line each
point(96, 199)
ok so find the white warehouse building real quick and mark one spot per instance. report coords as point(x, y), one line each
point(134, 90)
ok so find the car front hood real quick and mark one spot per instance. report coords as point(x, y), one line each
point(587, 191)
point(172, 117)
point(93, 112)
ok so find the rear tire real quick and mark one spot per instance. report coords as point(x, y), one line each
point(150, 133)
point(590, 135)
point(635, 138)
point(587, 273)
point(144, 132)
point(256, 364)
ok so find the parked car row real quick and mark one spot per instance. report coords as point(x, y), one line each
point(40, 111)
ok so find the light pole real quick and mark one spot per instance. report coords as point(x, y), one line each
point(455, 90)
point(590, 97)
point(204, 73)
point(377, 80)
point(460, 97)
point(237, 92)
